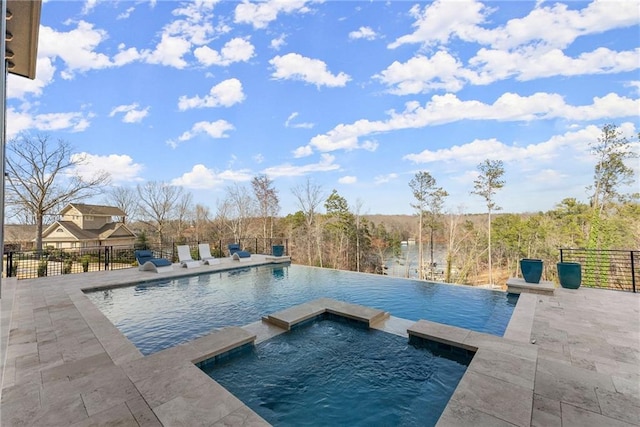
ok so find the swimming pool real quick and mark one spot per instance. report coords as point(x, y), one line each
point(331, 373)
point(164, 313)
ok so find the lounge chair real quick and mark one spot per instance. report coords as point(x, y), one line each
point(238, 254)
point(184, 257)
point(147, 262)
point(205, 254)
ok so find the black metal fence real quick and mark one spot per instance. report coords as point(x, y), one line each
point(53, 262)
point(610, 269)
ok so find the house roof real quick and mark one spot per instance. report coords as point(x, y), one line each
point(97, 210)
point(102, 234)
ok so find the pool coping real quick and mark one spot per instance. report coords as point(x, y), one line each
point(65, 363)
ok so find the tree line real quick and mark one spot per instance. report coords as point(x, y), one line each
point(328, 231)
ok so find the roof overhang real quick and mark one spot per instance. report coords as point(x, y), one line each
point(21, 44)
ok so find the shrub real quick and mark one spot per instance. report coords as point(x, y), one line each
point(66, 268)
point(85, 263)
point(42, 268)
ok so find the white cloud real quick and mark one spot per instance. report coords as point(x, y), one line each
point(202, 178)
point(441, 20)
point(261, 14)
point(126, 14)
point(524, 48)
point(348, 179)
point(224, 94)
point(554, 26)
point(365, 33)
point(18, 87)
point(18, 121)
point(192, 27)
point(325, 164)
point(530, 157)
point(169, 52)
point(217, 130)
point(277, 43)
point(120, 166)
point(293, 66)
point(303, 151)
point(76, 48)
point(289, 122)
point(422, 74)
point(236, 50)
point(132, 114)
point(449, 108)
point(383, 179)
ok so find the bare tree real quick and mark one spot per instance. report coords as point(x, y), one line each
point(157, 203)
point(183, 214)
point(309, 196)
point(236, 210)
point(485, 185)
point(202, 218)
point(43, 177)
point(124, 198)
point(268, 202)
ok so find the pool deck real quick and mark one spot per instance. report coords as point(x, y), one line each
point(567, 359)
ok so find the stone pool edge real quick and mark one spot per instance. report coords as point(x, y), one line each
point(176, 391)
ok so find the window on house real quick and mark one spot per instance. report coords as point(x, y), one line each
point(59, 230)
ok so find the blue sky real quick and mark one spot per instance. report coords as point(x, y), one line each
point(356, 96)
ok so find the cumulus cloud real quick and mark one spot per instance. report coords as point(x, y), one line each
point(365, 33)
point(18, 121)
point(289, 122)
point(348, 179)
point(132, 113)
point(537, 153)
point(18, 87)
point(524, 48)
point(293, 66)
point(449, 108)
point(277, 43)
point(202, 178)
point(325, 164)
point(76, 48)
point(224, 94)
point(261, 14)
point(554, 26)
point(383, 179)
point(121, 167)
point(217, 130)
point(235, 50)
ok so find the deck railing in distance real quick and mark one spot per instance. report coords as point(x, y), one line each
point(53, 262)
point(604, 268)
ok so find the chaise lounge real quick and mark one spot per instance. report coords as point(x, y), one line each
point(205, 254)
point(147, 262)
point(237, 254)
point(184, 257)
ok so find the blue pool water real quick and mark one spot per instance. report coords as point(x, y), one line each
point(163, 313)
point(334, 374)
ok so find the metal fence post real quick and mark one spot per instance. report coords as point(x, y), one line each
point(633, 273)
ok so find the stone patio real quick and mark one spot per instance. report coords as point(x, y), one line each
point(567, 359)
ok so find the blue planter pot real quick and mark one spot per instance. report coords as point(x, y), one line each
point(569, 274)
point(531, 270)
point(277, 250)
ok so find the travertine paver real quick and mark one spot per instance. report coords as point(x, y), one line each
point(64, 363)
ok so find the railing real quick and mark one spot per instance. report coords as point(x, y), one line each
point(53, 262)
point(610, 269)
point(28, 265)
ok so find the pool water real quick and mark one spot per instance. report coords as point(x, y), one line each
point(164, 313)
point(334, 374)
